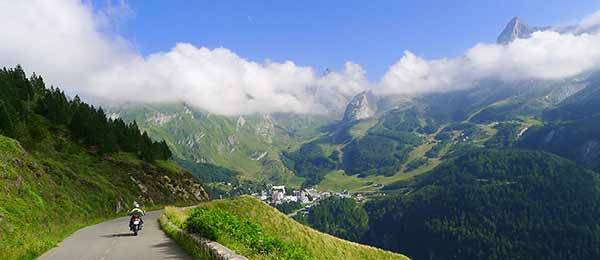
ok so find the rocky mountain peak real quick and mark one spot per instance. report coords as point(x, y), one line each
point(360, 107)
point(515, 29)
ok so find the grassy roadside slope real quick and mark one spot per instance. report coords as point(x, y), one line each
point(317, 245)
point(57, 187)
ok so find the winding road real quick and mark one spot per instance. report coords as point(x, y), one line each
point(113, 240)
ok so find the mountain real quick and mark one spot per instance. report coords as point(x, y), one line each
point(571, 128)
point(515, 29)
point(360, 107)
point(493, 204)
point(408, 135)
point(61, 159)
point(248, 144)
point(379, 140)
point(429, 158)
point(581, 104)
point(440, 188)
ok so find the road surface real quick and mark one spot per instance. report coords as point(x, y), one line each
point(113, 240)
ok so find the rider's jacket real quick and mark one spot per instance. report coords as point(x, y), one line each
point(136, 211)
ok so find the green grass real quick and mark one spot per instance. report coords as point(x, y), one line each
point(169, 166)
point(276, 225)
point(219, 225)
point(339, 181)
point(48, 193)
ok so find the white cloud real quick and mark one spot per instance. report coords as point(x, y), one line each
point(546, 55)
point(59, 39)
point(220, 81)
point(590, 22)
point(68, 43)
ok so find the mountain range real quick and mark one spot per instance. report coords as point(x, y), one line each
point(379, 140)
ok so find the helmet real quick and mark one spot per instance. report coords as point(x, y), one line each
point(135, 204)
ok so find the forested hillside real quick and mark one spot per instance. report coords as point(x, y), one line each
point(341, 217)
point(24, 102)
point(494, 204)
point(62, 159)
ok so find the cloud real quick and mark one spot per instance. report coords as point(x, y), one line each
point(546, 55)
point(59, 39)
point(73, 47)
point(76, 48)
point(220, 81)
point(590, 22)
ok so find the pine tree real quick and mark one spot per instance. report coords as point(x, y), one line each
point(22, 97)
point(165, 151)
point(6, 122)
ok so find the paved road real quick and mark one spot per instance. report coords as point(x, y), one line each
point(113, 240)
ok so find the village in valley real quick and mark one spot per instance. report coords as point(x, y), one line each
point(277, 195)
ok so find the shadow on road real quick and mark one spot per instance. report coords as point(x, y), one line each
point(169, 250)
point(167, 244)
point(128, 234)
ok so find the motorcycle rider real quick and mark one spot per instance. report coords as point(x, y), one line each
point(136, 211)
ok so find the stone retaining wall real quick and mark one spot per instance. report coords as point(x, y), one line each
point(213, 249)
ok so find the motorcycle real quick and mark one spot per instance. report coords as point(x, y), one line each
point(136, 225)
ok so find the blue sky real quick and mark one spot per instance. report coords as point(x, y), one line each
point(324, 34)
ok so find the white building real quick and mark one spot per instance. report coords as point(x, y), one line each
point(278, 193)
point(278, 188)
